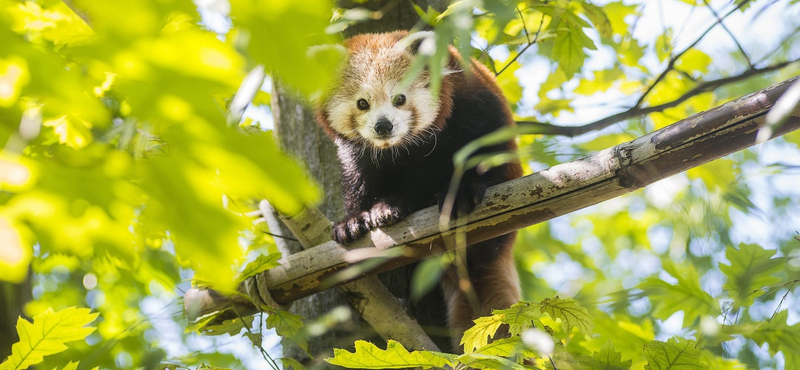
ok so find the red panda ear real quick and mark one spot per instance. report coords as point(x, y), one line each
point(322, 120)
point(413, 41)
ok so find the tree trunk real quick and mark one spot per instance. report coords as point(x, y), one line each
point(300, 136)
point(12, 300)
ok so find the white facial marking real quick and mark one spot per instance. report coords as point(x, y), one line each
point(375, 75)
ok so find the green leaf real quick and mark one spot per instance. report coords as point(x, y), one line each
point(484, 361)
point(569, 312)
point(607, 358)
point(288, 326)
point(778, 334)
point(694, 60)
point(751, 268)
point(261, 264)
point(568, 49)
point(599, 19)
point(300, 56)
point(673, 355)
point(479, 334)
point(664, 45)
point(46, 335)
point(616, 13)
point(519, 317)
point(686, 295)
point(368, 356)
point(506, 347)
point(426, 275)
point(290, 363)
point(210, 326)
point(508, 81)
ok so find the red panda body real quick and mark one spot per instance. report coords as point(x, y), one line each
point(396, 143)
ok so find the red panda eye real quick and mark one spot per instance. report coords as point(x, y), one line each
point(362, 104)
point(399, 100)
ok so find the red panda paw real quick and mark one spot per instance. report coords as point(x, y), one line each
point(381, 214)
point(349, 230)
point(384, 213)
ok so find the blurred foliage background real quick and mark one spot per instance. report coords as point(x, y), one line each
point(127, 165)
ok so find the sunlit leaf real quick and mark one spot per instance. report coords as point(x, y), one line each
point(674, 354)
point(479, 334)
point(751, 268)
point(485, 361)
point(395, 356)
point(571, 314)
point(285, 49)
point(262, 263)
point(685, 295)
point(607, 358)
point(718, 174)
point(568, 50)
point(599, 19)
point(15, 251)
point(519, 317)
point(47, 335)
point(778, 333)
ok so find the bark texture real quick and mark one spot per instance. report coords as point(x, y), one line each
point(300, 136)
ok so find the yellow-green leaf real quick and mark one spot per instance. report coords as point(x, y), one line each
point(607, 358)
point(47, 335)
point(479, 334)
point(569, 312)
point(751, 268)
point(395, 356)
point(262, 263)
point(519, 317)
point(673, 355)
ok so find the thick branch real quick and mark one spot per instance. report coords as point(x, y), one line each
point(636, 111)
point(368, 296)
point(539, 197)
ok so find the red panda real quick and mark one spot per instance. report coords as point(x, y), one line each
point(396, 142)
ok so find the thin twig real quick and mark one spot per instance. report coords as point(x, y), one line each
point(270, 361)
point(710, 85)
point(524, 28)
point(530, 43)
point(777, 309)
point(724, 27)
point(780, 44)
point(675, 58)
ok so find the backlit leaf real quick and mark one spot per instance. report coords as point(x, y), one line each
point(751, 268)
point(395, 356)
point(686, 295)
point(479, 334)
point(571, 314)
point(519, 317)
point(262, 263)
point(47, 335)
point(778, 333)
point(484, 361)
point(607, 358)
point(673, 355)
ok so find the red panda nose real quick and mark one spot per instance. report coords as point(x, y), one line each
point(383, 127)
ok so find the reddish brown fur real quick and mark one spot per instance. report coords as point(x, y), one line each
point(471, 104)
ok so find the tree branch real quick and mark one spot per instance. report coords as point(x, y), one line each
point(675, 58)
point(538, 197)
point(368, 296)
point(636, 111)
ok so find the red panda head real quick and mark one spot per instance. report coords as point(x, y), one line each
point(372, 104)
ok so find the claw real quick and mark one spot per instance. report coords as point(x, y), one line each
point(381, 214)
